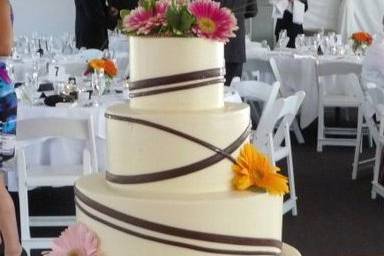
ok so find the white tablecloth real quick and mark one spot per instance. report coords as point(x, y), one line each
point(298, 72)
point(360, 15)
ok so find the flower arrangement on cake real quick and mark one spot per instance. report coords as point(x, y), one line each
point(253, 169)
point(107, 65)
point(180, 18)
point(76, 240)
point(361, 40)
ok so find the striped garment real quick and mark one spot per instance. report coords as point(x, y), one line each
point(8, 114)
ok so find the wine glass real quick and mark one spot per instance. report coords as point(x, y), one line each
point(11, 71)
point(300, 42)
point(98, 86)
point(283, 39)
point(317, 40)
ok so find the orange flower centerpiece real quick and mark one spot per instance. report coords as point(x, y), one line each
point(361, 40)
point(254, 169)
point(108, 66)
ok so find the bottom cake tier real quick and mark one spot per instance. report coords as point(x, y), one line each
point(147, 224)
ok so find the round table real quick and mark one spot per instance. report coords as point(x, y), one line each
point(289, 251)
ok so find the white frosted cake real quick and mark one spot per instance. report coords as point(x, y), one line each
point(168, 190)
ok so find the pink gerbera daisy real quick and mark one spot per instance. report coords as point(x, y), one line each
point(76, 240)
point(145, 21)
point(213, 22)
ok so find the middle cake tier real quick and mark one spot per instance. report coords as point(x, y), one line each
point(174, 151)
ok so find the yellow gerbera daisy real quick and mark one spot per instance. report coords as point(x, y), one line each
point(253, 168)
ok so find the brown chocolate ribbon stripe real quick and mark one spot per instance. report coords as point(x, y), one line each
point(169, 242)
point(176, 88)
point(174, 231)
point(173, 79)
point(180, 171)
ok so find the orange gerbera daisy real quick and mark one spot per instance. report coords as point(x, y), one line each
point(362, 38)
point(254, 169)
point(110, 68)
point(96, 64)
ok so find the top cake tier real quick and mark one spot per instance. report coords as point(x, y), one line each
point(176, 73)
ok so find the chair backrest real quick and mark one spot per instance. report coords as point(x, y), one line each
point(30, 131)
point(326, 69)
point(258, 91)
point(338, 68)
point(275, 69)
point(374, 110)
point(288, 70)
point(38, 128)
point(273, 128)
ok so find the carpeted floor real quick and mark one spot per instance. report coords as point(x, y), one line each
point(336, 215)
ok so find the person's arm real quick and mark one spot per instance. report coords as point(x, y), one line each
point(6, 31)
point(251, 9)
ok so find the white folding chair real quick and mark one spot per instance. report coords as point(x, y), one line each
point(353, 99)
point(295, 125)
point(32, 132)
point(373, 98)
point(273, 138)
point(254, 91)
point(373, 108)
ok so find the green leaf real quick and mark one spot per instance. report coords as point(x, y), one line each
point(186, 19)
point(149, 4)
point(179, 19)
point(124, 12)
point(173, 17)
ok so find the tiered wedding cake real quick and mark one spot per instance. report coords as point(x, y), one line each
point(168, 189)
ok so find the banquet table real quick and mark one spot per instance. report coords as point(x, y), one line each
point(55, 151)
point(74, 65)
point(298, 72)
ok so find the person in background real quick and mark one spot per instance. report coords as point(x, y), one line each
point(373, 63)
point(6, 38)
point(8, 109)
point(93, 19)
point(124, 4)
point(286, 22)
point(235, 49)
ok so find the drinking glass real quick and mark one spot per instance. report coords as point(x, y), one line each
point(98, 86)
point(283, 39)
point(299, 42)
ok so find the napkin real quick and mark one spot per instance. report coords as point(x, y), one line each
point(298, 12)
point(45, 87)
point(53, 100)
